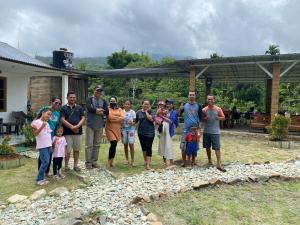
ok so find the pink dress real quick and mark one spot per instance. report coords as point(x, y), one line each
point(59, 147)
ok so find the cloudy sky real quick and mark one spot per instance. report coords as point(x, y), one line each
point(194, 28)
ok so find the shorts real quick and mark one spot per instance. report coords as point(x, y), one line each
point(73, 142)
point(211, 140)
point(128, 136)
point(191, 148)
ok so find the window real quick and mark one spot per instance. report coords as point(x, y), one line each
point(3, 96)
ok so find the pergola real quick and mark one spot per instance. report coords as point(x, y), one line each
point(259, 68)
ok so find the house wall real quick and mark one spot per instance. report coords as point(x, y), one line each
point(42, 89)
point(16, 95)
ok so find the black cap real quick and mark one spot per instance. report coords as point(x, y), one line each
point(98, 88)
point(169, 101)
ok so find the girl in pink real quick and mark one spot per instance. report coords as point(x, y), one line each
point(59, 152)
point(42, 133)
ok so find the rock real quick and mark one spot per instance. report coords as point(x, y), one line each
point(75, 217)
point(58, 191)
point(38, 194)
point(284, 178)
point(171, 167)
point(144, 211)
point(137, 199)
point(267, 162)
point(147, 199)
point(163, 194)
point(200, 184)
point(83, 178)
point(215, 181)
point(154, 196)
point(234, 181)
point(156, 223)
point(16, 198)
point(274, 175)
point(184, 189)
point(152, 217)
point(252, 178)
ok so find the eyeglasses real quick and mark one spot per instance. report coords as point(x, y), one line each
point(57, 103)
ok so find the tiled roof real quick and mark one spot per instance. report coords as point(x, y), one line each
point(11, 53)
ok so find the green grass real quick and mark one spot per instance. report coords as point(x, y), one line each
point(22, 180)
point(233, 149)
point(269, 203)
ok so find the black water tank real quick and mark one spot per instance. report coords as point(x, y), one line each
point(63, 59)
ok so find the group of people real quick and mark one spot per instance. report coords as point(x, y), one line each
point(58, 131)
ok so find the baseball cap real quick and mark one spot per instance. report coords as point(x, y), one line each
point(98, 88)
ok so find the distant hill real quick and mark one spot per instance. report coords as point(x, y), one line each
point(100, 61)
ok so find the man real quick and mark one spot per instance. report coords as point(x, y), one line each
point(211, 133)
point(97, 108)
point(72, 118)
point(192, 117)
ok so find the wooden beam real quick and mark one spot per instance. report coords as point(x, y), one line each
point(275, 89)
point(192, 79)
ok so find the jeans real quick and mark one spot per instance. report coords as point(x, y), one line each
point(45, 158)
point(49, 164)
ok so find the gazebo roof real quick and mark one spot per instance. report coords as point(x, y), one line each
point(256, 68)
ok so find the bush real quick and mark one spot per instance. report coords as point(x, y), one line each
point(29, 136)
point(279, 128)
point(5, 148)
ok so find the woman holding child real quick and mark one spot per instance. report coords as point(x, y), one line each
point(169, 122)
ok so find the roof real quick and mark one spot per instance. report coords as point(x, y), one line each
point(9, 52)
point(14, 61)
point(257, 68)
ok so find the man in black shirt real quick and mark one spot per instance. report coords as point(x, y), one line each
point(72, 119)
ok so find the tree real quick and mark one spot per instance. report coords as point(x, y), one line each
point(215, 55)
point(273, 50)
point(118, 60)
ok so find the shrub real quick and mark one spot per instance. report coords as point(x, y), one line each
point(5, 148)
point(279, 128)
point(29, 136)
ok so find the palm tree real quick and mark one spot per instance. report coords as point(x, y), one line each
point(273, 50)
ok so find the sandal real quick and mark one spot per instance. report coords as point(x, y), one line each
point(221, 169)
point(42, 182)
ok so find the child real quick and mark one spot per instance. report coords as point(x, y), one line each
point(192, 138)
point(59, 152)
point(128, 131)
point(42, 133)
point(160, 114)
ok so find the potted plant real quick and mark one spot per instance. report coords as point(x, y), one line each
point(278, 131)
point(8, 156)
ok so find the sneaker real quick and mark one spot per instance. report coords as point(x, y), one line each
point(95, 165)
point(42, 182)
point(76, 169)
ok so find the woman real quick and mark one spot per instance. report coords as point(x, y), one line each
point(165, 141)
point(146, 131)
point(113, 128)
point(128, 131)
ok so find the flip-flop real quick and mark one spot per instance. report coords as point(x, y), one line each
point(221, 169)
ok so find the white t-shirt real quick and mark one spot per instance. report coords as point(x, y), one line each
point(128, 116)
point(59, 147)
point(43, 139)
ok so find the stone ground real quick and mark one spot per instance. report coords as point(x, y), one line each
point(119, 200)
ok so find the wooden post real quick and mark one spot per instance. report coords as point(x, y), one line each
point(192, 79)
point(275, 89)
point(268, 96)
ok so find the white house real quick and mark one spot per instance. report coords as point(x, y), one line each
point(23, 79)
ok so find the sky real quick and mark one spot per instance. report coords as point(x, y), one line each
point(187, 28)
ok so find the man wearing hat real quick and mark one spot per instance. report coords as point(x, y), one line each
point(96, 110)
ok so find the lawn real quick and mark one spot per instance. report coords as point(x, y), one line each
point(269, 203)
point(22, 180)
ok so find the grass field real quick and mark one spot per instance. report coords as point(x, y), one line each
point(22, 180)
point(269, 203)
